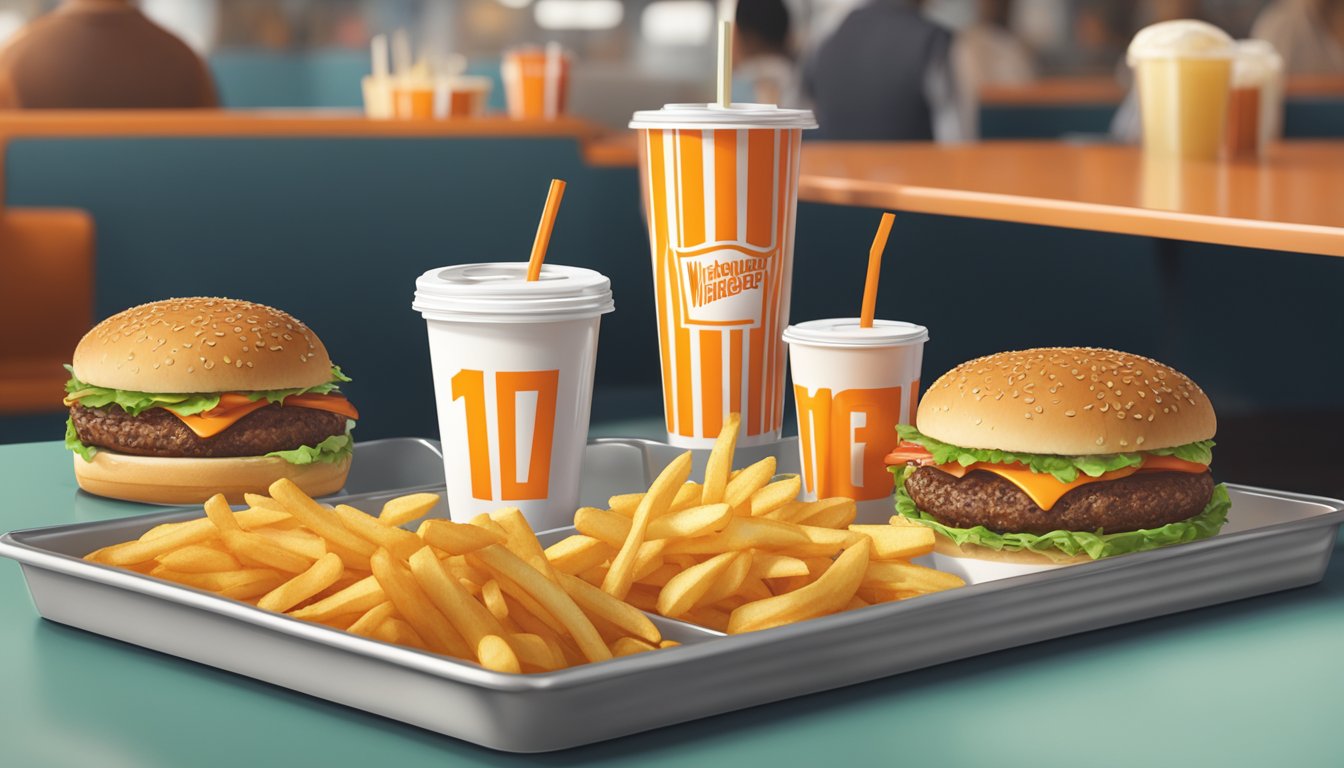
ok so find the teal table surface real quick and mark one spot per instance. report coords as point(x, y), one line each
point(1257, 682)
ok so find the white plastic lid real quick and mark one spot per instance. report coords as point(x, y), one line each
point(846, 332)
point(1257, 63)
point(500, 293)
point(740, 115)
point(1181, 39)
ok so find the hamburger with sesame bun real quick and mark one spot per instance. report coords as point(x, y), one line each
point(177, 400)
point(1060, 455)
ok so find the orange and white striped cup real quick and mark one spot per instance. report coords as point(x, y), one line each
point(720, 186)
point(536, 82)
point(513, 366)
point(852, 386)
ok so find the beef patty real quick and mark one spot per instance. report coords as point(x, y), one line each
point(1141, 500)
point(156, 432)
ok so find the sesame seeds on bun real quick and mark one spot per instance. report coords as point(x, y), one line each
point(201, 345)
point(1073, 401)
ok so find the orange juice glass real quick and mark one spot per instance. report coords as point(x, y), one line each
point(458, 97)
point(720, 187)
point(852, 386)
point(413, 99)
point(536, 82)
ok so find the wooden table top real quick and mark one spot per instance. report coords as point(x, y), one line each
point(1294, 201)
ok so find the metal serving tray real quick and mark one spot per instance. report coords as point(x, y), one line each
point(1273, 541)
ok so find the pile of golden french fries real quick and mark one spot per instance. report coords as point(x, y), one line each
point(736, 553)
point(739, 553)
point(483, 592)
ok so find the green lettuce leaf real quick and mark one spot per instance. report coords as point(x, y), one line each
point(1064, 468)
point(73, 443)
point(329, 451)
point(190, 404)
point(1065, 544)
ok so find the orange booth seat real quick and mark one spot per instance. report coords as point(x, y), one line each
point(46, 302)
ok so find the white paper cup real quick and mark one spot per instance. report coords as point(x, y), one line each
point(852, 386)
point(513, 366)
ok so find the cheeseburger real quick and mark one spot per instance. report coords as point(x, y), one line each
point(1064, 455)
point(177, 400)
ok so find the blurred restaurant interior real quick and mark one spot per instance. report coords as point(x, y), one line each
point(286, 185)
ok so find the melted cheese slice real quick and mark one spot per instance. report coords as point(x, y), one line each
point(217, 420)
point(1040, 487)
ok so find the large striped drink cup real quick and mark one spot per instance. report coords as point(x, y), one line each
point(720, 186)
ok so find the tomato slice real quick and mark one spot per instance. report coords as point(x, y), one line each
point(332, 403)
point(906, 452)
point(1172, 464)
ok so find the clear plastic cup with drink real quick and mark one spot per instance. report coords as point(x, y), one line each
point(852, 386)
point(461, 96)
point(513, 365)
point(1255, 105)
point(1184, 71)
point(536, 82)
point(720, 186)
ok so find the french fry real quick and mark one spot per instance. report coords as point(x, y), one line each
point(369, 622)
point(484, 521)
point(837, 513)
point(299, 542)
point(404, 509)
point(876, 595)
point(257, 551)
point(399, 632)
point(578, 553)
point(828, 594)
point(720, 461)
point(775, 495)
point(494, 653)
point(197, 558)
point(457, 538)
point(493, 597)
point(753, 588)
point(521, 597)
point(752, 479)
point(856, 602)
point(401, 588)
point(595, 602)
point(629, 646)
point(400, 542)
point(533, 651)
point(688, 495)
point(660, 575)
point(797, 512)
point(521, 541)
point(768, 565)
point(217, 582)
point(728, 582)
point(708, 616)
point(255, 589)
point(460, 569)
point(504, 563)
point(470, 618)
point(743, 533)
point(618, 580)
point(685, 589)
point(353, 551)
point(356, 598)
point(317, 578)
point(898, 575)
point(891, 542)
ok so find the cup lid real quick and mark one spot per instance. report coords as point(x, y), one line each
point(500, 292)
point(736, 115)
point(1180, 39)
point(1257, 63)
point(846, 332)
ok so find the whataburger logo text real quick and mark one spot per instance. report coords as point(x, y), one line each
point(722, 284)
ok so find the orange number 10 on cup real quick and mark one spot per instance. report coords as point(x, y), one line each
point(525, 430)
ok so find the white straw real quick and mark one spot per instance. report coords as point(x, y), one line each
point(552, 95)
point(379, 52)
point(401, 53)
point(725, 63)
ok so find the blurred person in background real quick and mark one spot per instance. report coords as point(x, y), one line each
point(764, 71)
point(90, 54)
point(886, 74)
point(1309, 34)
point(988, 53)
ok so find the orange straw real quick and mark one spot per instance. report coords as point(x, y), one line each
point(544, 229)
point(874, 269)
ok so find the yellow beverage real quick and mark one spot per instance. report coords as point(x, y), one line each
point(1184, 106)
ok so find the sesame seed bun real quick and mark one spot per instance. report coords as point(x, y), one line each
point(948, 548)
point(159, 480)
point(201, 345)
point(1074, 401)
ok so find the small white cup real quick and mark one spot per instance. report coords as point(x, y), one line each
point(513, 366)
point(852, 386)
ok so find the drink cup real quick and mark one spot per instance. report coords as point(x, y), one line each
point(413, 98)
point(1184, 72)
point(536, 82)
point(459, 97)
point(852, 386)
point(377, 92)
point(720, 187)
point(1255, 105)
point(513, 369)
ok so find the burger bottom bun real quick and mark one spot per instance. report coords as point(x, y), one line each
point(159, 480)
point(976, 564)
